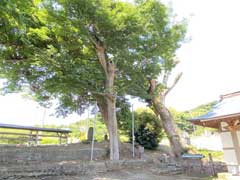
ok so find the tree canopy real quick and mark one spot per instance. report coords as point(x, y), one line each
point(48, 45)
point(80, 51)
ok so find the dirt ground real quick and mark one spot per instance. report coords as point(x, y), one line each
point(120, 175)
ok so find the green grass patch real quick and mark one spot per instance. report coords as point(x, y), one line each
point(216, 155)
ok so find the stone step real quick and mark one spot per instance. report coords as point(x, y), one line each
point(167, 171)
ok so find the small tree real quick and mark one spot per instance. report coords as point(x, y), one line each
point(148, 128)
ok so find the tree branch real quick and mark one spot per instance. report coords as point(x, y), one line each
point(165, 78)
point(152, 87)
point(99, 94)
point(101, 57)
point(174, 84)
point(99, 46)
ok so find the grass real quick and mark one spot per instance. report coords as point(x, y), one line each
point(216, 155)
point(222, 176)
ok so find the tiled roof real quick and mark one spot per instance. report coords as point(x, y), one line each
point(229, 104)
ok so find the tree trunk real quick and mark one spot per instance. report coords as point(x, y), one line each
point(103, 106)
point(169, 127)
point(108, 105)
point(112, 130)
point(158, 104)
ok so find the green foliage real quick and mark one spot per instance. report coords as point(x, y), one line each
point(48, 46)
point(80, 128)
point(49, 140)
point(24, 138)
point(216, 155)
point(142, 117)
point(148, 131)
point(124, 116)
point(146, 138)
point(202, 109)
point(100, 131)
point(52, 48)
point(145, 116)
point(21, 139)
point(182, 118)
point(124, 137)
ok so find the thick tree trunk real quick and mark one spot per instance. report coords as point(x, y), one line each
point(169, 127)
point(103, 106)
point(108, 105)
point(158, 104)
point(112, 130)
point(103, 109)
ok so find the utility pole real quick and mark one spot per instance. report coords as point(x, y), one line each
point(94, 127)
point(133, 136)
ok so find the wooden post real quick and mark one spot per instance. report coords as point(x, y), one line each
point(236, 145)
point(212, 165)
point(59, 138)
point(66, 135)
point(37, 138)
point(30, 139)
point(236, 148)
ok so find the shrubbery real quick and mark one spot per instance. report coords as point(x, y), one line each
point(146, 138)
point(148, 131)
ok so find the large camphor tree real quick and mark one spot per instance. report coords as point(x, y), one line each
point(82, 51)
point(76, 52)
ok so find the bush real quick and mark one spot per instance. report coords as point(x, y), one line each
point(148, 131)
point(146, 138)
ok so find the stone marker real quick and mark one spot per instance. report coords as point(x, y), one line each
point(90, 134)
point(140, 152)
point(105, 137)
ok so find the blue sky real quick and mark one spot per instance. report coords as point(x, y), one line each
point(209, 62)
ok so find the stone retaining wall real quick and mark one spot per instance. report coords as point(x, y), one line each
point(20, 162)
point(66, 168)
point(191, 166)
point(10, 154)
point(203, 167)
